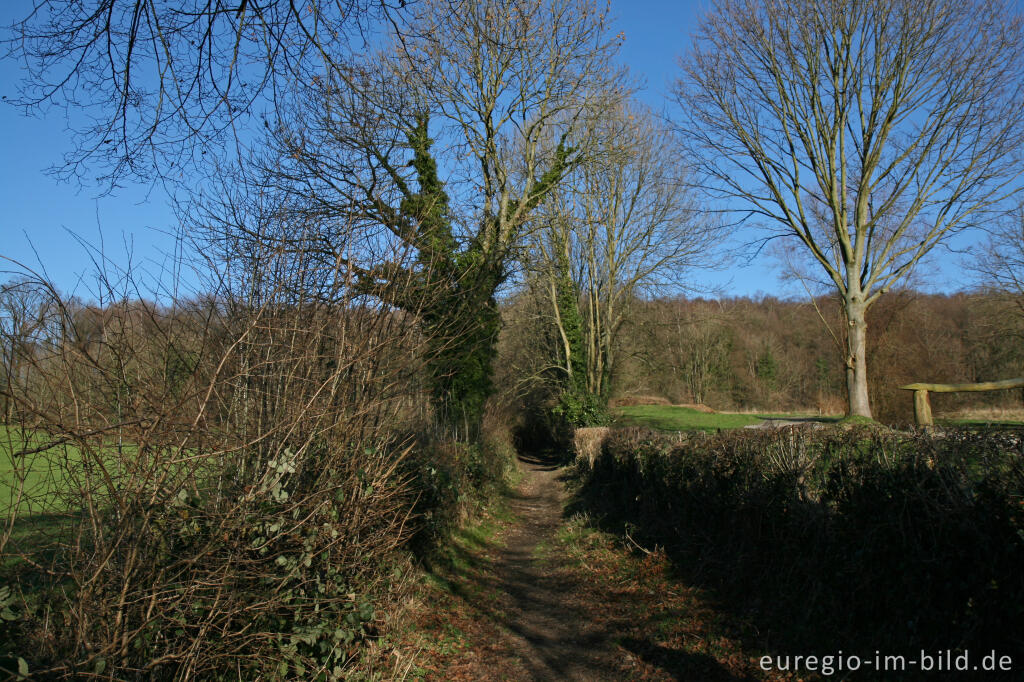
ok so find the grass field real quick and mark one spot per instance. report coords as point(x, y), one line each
point(36, 469)
point(28, 481)
point(36, 488)
point(676, 418)
point(41, 475)
point(984, 417)
point(673, 418)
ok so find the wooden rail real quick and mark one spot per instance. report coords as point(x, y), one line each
point(923, 407)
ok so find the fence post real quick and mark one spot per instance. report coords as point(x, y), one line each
point(922, 408)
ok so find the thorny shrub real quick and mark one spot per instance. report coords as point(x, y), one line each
point(214, 489)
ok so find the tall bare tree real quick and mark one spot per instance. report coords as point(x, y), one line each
point(510, 82)
point(1000, 263)
point(868, 131)
point(23, 315)
point(440, 150)
point(998, 266)
point(622, 223)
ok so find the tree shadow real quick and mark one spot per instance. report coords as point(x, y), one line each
point(534, 604)
point(555, 620)
point(681, 664)
point(544, 460)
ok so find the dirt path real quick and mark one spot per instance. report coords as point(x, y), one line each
point(557, 638)
point(545, 598)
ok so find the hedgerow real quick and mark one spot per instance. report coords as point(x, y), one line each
point(837, 539)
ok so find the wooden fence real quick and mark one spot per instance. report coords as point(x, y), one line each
point(923, 408)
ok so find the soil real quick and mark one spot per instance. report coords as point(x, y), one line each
point(556, 637)
point(538, 602)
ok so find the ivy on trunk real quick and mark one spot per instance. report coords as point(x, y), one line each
point(452, 287)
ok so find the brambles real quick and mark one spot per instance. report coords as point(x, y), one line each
point(215, 486)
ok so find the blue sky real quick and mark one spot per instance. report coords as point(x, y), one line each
point(41, 217)
point(41, 213)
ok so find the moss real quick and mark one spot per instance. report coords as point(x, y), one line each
point(857, 420)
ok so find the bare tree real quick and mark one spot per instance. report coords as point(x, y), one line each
point(1000, 264)
point(868, 131)
point(23, 318)
point(150, 86)
point(484, 97)
point(999, 268)
point(697, 346)
point(510, 81)
point(623, 223)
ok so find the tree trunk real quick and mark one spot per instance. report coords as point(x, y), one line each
point(856, 359)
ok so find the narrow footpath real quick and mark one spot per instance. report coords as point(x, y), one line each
point(548, 619)
point(539, 597)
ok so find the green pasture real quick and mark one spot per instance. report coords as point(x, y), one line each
point(42, 476)
point(40, 485)
point(981, 423)
point(31, 482)
point(675, 418)
point(29, 476)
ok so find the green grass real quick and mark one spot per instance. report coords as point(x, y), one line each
point(802, 416)
point(36, 488)
point(675, 418)
point(33, 475)
point(980, 424)
point(459, 556)
point(43, 476)
point(857, 420)
point(672, 418)
point(29, 481)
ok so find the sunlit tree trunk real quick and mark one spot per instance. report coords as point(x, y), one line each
point(865, 132)
point(856, 359)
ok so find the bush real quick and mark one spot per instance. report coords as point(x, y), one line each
point(240, 515)
point(269, 563)
point(581, 408)
point(451, 478)
point(848, 539)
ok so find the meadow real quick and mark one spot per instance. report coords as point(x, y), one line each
point(679, 418)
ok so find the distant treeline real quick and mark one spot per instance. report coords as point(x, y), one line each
point(775, 354)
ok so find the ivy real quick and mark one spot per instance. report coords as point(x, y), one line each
point(577, 404)
point(452, 287)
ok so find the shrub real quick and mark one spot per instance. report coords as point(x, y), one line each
point(841, 538)
point(239, 517)
point(577, 408)
point(588, 443)
point(449, 478)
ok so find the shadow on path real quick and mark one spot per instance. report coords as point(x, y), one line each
point(545, 617)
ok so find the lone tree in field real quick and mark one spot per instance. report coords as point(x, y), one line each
point(867, 130)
